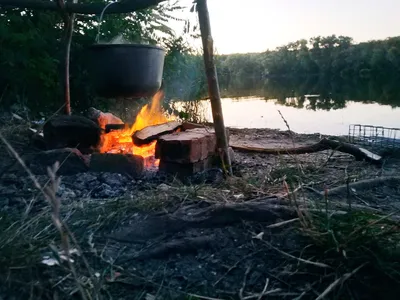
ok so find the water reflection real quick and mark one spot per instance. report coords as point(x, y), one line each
point(309, 106)
point(260, 113)
point(316, 93)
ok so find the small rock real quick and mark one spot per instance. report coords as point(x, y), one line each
point(68, 194)
point(214, 175)
point(86, 178)
point(164, 187)
point(38, 141)
point(106, 191)
point(114, 179)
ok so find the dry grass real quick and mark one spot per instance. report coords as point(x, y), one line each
point(361, 248)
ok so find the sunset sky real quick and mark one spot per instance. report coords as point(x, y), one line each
point(240, 26)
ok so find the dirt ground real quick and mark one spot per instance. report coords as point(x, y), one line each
point(252, 236)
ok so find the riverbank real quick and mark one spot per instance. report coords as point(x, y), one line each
point(273, 229)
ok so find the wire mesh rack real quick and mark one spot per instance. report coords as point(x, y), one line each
point(374, 137)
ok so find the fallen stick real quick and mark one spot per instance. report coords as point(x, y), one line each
point(181, 246)
point(217, 216)
point(364, 184)
point(324, 144)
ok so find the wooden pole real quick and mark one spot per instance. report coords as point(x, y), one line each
point(69, 19)
point(67, 94)
point(212, 80)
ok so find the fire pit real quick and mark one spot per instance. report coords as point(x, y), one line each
point(155, 142)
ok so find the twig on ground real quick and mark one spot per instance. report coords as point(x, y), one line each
point(364, 184)
point(309, 262)
point(241, 291)
point(235, 266)
point(203, 297)
point(283, 223)
point(267, 293)
point(338, 281)
point(264, 289)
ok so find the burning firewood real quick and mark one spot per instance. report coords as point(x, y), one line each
point(102, 118)
point(152, 133)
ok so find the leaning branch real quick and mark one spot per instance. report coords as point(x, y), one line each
point(213, 86)
point(324, 144)
point(125, 6)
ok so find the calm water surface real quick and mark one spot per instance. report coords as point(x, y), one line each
point(261, 113)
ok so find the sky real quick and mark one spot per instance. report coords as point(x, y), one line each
point(240, 26)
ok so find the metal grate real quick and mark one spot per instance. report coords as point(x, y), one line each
point(374, 137)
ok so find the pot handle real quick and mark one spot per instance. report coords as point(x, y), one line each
point(101, 19)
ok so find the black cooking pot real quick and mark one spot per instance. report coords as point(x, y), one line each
point(126, 70)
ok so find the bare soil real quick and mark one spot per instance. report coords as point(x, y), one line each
point(239, 238)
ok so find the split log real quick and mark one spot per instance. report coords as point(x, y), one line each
point(152, 133)
point(325, 144)
point(190, 125)
point(71, 131)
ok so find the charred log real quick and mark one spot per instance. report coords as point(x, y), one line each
point(129, 164)
point(73, 132)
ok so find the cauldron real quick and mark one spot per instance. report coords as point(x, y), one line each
point(126, 70)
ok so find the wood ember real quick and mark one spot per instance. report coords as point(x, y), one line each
point(72, 132)
point(130, 164)
point(112, 127)
point(102, 118)
point(152, 133)
point(186, 147)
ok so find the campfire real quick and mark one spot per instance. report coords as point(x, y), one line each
point(155, 141)
point(120, 141)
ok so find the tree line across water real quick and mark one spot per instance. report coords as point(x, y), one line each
point(31, 62)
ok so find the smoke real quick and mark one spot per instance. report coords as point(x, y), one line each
point(119, 39)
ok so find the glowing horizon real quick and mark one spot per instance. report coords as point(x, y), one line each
point(262, 25)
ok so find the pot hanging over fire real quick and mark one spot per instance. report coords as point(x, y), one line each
point(126, 70)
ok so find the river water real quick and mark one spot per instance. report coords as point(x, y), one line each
point(304, 117)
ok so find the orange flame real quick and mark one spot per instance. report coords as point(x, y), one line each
point(120, 141)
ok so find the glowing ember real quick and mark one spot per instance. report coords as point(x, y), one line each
point(120, 141)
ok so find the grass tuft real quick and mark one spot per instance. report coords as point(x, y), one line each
point(358, 238)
